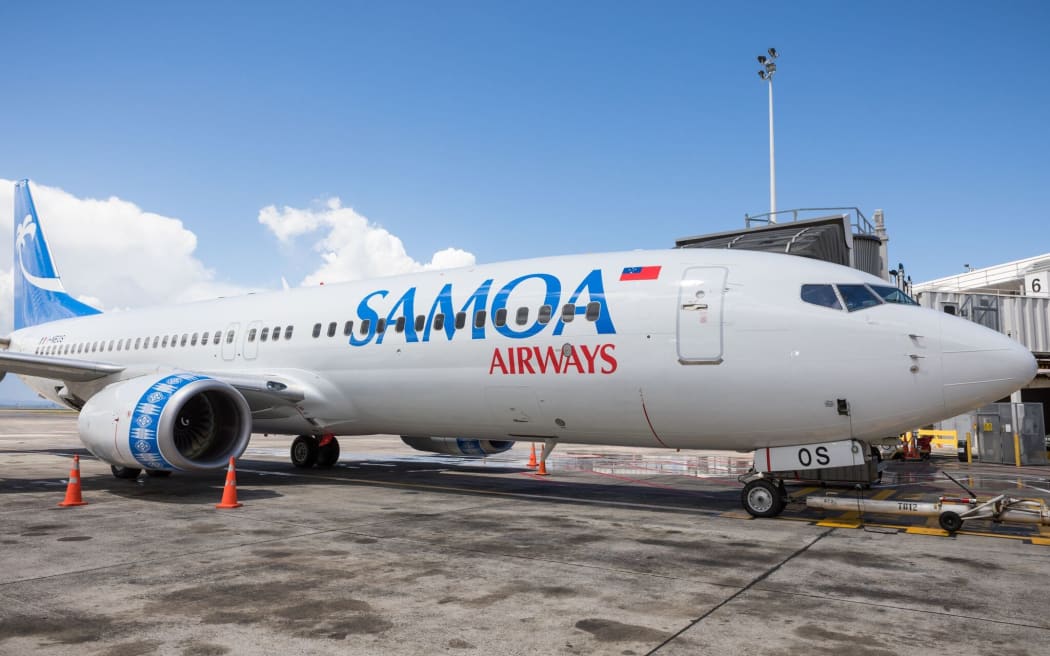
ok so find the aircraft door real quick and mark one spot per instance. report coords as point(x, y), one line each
point(229, 341)
point(251, 340)
point(700, 301)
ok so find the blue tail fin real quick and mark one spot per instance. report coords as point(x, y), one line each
point(39, 295)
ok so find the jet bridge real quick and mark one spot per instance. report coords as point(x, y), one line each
point(842, 235)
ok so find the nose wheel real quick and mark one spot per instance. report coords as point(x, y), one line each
point(764, 497)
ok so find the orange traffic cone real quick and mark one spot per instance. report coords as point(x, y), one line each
point(73, 497)
point(532, 457)
point(542, 471)
point(229, 491)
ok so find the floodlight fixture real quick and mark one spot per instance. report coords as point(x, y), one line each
point(769, 68)
point(761, 59)
point(772, 52)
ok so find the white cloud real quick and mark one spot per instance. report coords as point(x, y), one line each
point(110, 253)
point(352, 247)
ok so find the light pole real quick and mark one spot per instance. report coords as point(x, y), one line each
point(769, 68)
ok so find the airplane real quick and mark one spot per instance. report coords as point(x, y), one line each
point(807, 363)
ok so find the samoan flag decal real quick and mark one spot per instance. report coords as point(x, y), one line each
point(640, 273)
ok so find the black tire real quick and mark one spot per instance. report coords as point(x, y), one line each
point(950, 521)
point(304, 451)
point(328, 454)
point(158, 473)
point(762, 498)
point(129, 473)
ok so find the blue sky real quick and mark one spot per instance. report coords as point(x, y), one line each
point(523, 129)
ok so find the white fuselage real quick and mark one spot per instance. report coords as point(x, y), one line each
point(718, 351)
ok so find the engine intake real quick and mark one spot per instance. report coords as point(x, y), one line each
point(182, 421)
point(457, 446)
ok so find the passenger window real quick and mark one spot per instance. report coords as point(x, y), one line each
point(399, 325)
point(317, 330)
point(500, 318)
point(229, 337)
point(545, 314)
point(145, 343)
point(193, 339)
point(111, 342)
point(479, 319)
point(127, 344)
point(822, 295)
point(217, 337)
point(165, 342)
point(365, 325)
point(138, 342)
point(594, 309)
point(568, 313)
point(892, 295)
point(185, 336)
point(439, 321)
point(858, 297)
point(120, 343)
point(348, 328)
point(421, 322)
point(332, 328)
point(265, 334)
point(288, 332)
point(381, 326)
point(276, 333)
point(461, 320)
point(94, 347)
point(204, 339)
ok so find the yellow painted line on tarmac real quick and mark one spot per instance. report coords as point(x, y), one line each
point(833, 523)
point(1041, 541)
point(737, 514)
point(922, 530)
point(883, 494)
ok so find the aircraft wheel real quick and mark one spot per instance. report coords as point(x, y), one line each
point(950, 521)
point(129, 473)
point(328, 452)
point(763, 498)
point(158, 473)
point(304, 451)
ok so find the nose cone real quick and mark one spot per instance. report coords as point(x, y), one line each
point(980, 365)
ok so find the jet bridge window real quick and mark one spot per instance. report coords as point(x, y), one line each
point(823, 295)
point(858, 297)
point(892, 295)
point(317, 330)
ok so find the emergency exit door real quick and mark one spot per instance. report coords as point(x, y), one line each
point(700, 303)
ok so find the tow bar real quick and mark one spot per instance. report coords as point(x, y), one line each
point(950, 512)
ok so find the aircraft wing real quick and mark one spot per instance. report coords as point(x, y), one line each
point(262, 391)
point(48, 366)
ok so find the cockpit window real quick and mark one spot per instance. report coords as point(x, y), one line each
point(858, 297)
point(823, 295)
point(893, 295)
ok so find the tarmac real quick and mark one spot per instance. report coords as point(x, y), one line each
point(618, 551)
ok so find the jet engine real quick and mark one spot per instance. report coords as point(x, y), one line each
point(457, 446)
point(180, 421)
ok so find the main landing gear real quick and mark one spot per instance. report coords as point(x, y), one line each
point(763, 496)
point(310, 450)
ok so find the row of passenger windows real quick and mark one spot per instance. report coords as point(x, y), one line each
point(161, 341)
point(854, 297)
point(499, 318)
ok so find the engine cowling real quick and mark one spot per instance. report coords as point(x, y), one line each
point(457, 446)
point(180, 421)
